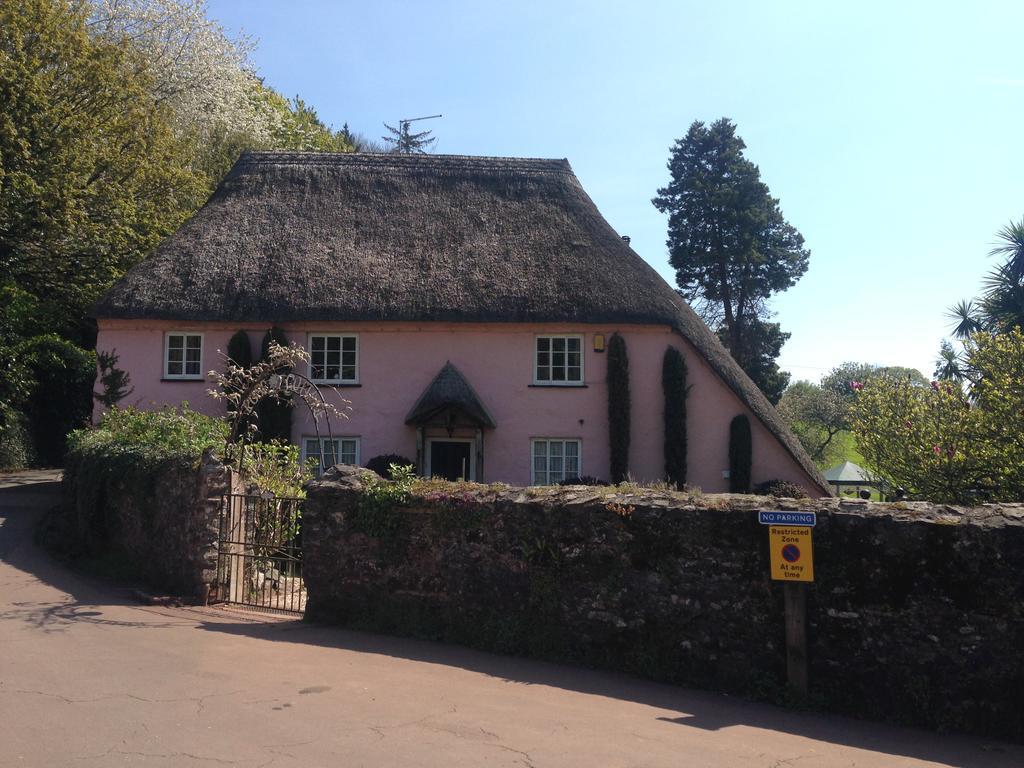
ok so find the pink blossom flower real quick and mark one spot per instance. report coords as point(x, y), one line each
point(935, 386)
point(937, 450)
point(856, 386)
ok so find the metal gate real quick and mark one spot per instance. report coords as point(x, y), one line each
point(259, 561)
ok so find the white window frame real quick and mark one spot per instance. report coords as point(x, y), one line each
point(333, 335)
point(547, 456)
point(323, 441)
point(536, 360)
point(184, 356)
point(429, 442)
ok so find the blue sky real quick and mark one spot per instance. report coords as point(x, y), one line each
point(889, 131)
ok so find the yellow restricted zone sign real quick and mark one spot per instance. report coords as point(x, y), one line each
point(791, 553)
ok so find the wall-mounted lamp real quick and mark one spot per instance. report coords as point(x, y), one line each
point(599, 342)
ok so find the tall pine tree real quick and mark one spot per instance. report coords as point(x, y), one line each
point(730, 245)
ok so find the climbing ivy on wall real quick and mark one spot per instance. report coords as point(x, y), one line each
point(618, 408)
point(275, 417)
point(673, 384)
point(740, 455)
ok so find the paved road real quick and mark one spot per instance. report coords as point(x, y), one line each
point(88, 678)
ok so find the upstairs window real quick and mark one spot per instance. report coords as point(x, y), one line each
point(559, 361)
point(326, 452)
point(555, 461)
point(183, 356)
point(333, 358)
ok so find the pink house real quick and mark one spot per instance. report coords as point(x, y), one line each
point(461, 304)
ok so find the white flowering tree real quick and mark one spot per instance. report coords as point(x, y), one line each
point(201, 73)
point(207, 80)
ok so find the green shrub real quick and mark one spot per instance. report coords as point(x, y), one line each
point(740, 455)
point(151, 436)
point(61, 378)
point(379, 512)
point(618, 408)
point(276, 468)
point(128, 453)
point(675, 389)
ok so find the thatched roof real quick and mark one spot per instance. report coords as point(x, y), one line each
point(345, 237)
point(449, 392)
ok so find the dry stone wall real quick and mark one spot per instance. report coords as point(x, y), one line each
point(158, 524)
point(916, 614)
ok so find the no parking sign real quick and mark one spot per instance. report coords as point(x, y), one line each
point(792, 554)
point(792, 560)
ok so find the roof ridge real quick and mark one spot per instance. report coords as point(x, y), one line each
point(396, 160)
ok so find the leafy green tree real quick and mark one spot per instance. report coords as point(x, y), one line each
point(820, 413)
point(949, 364)
point(91, 174)
point(816, 415)
point(941, 444)
point(730, 245)
point(840, 379)
point(1000, 307)
point(60, 398)
point(300, 128)
point(764, 344)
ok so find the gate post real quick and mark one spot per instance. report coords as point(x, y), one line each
point(236, 548)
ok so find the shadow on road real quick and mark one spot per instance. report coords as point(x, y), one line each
point(21, 507)
point(23, 504)
point(698, 709)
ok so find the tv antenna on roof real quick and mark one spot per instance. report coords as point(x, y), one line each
point(404, 142)
point(408, 120)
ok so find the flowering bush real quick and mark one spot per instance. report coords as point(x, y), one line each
point(944, 444)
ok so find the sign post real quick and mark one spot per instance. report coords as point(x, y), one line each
point(792, 562)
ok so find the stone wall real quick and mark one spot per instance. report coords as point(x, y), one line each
point(916, 614)
point(155, 523)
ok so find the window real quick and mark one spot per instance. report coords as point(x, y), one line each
point(326, 452)
point(332, 358)
point(183, 356)
point(555, 461)
point(559, 360)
